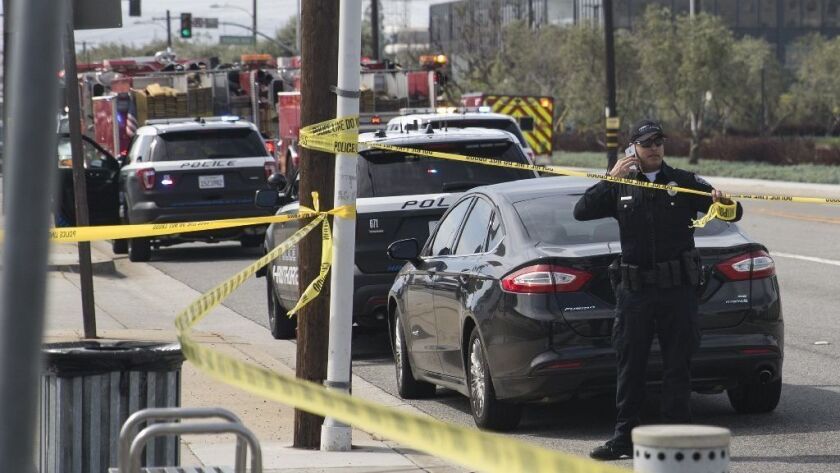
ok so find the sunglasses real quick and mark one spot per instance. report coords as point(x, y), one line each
point(658, 141)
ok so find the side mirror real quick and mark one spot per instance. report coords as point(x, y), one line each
point(404, 250)
point(277, 181)
point(267, 199)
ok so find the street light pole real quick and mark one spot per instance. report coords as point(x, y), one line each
point(254, 21)
point(168, 30)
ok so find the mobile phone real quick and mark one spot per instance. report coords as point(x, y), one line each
point(631, 151)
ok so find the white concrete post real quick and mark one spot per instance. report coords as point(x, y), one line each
point(336, 436)
point(680, 449)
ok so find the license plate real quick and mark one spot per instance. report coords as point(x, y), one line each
point(432, 225)
point(211, 182)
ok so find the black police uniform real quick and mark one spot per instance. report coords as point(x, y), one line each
point(659, 272)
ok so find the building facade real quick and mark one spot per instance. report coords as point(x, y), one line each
point(780, 22)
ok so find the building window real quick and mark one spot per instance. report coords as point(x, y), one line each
point(832, 13)
point(747, 14)
point(727, 10)
point(793, 13)
point(767, 13)
point(812, 13)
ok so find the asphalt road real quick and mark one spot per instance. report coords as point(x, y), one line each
point(802, 435)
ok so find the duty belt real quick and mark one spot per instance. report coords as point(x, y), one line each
point(665, 275)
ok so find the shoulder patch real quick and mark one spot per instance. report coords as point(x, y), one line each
point(701, 180)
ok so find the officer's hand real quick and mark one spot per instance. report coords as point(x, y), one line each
point(719, 196)
point(623, 165)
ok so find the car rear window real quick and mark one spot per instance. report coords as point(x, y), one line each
point(550, 220)
point(491, 123)
point(208, 144)
point(384, 173)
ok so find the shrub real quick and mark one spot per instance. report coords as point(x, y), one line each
point(770, 150)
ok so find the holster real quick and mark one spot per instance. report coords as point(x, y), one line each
point(614, 273)
point(692, 267)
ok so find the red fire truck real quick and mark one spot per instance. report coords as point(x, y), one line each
point(120, 95)
point(385, 89)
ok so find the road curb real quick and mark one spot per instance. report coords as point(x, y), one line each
point(99, 268)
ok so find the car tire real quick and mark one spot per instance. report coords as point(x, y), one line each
point(139, 249)
point(487, 411)
point(119, 246)
point(282, 326)
point(755, 398)
point(408, 386)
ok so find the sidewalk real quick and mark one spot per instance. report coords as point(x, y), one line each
point(138, 302)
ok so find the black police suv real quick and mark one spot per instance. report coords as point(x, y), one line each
point(185, 170)
point(510, 302)
point(399, 196)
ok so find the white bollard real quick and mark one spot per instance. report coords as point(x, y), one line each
point(681, 449)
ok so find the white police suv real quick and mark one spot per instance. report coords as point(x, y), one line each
point(400, 196)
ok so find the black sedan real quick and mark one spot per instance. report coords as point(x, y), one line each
point(509, 302)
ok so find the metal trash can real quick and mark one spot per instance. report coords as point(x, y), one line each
point(90, 388)
point(680, 449)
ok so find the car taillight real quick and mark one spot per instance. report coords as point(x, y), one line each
point(542, 278)
point(147, 178)
point(270, 168)
point(754, 265)
point(271, 147)
point(376, 120)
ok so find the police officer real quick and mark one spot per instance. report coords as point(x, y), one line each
point(655, 279)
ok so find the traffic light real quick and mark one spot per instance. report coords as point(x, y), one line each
point(186, 25)
point(134, 8)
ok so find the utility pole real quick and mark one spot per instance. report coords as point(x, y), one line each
point(319, 70)
point(374, 28)
point(336, 436)
point(74, 120)
point(254, 22)
point(168, 30)
point(29, 177)
point(611, 111)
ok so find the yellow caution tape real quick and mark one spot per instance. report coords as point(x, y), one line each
point(340, 135)
point(111, 232)
point(469, 447)
point(717, 210)
point(336, 134)
point(317, 284)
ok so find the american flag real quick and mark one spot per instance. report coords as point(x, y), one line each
point(131, 119)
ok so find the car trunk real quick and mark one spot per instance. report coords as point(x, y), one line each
point(590, 311)
point(199, 183)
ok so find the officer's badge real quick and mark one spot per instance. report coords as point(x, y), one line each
point(672, 192)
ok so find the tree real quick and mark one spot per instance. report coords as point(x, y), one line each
point(288, 36)
point(758, 82)
point(817, 89)
point(686, 64)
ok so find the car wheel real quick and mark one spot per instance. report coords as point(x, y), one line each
point(488, 412)
point(755, 398)
point(139, 249)
point(119, 246)
point(281, 325)
point(408, 386)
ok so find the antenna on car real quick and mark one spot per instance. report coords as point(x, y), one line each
point(429, 129)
